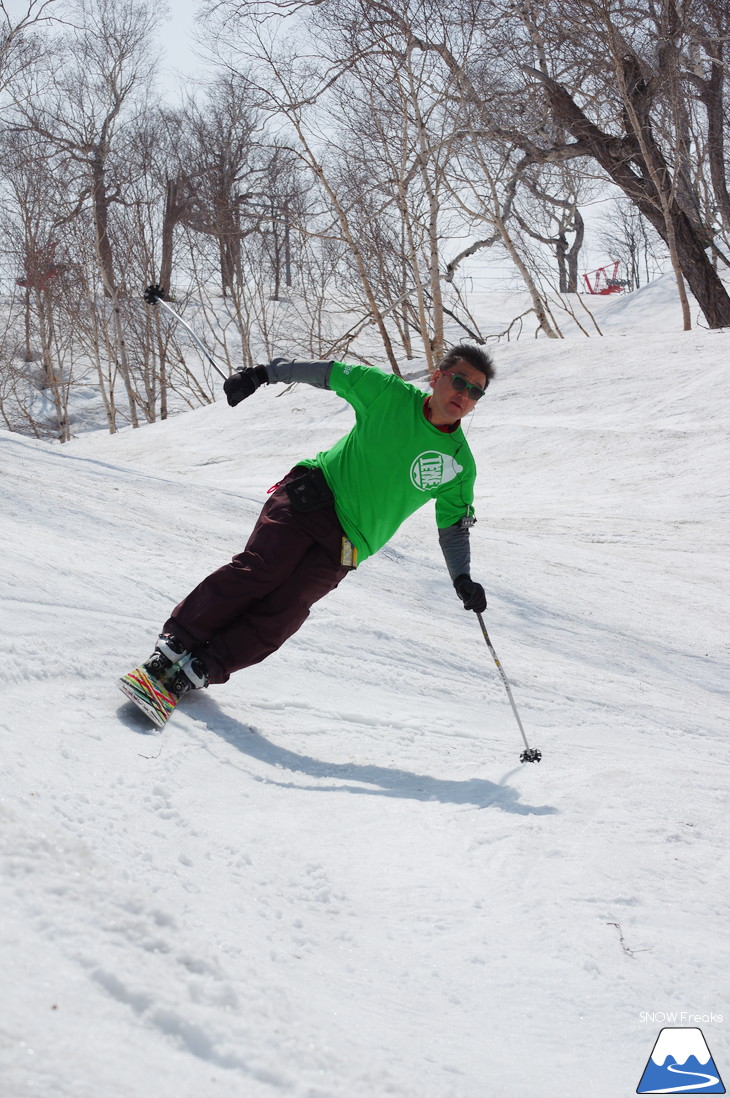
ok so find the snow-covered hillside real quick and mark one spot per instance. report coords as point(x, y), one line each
point(331, 878)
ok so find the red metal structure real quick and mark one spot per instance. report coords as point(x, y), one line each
point(605, 280)
point(40, 267)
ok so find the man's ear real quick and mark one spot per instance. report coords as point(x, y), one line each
point(434, 378)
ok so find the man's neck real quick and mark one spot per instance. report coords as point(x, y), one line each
point(447, 428)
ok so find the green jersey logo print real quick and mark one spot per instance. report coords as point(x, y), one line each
point(432, 468)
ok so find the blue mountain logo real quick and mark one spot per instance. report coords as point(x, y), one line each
point(680, 1063)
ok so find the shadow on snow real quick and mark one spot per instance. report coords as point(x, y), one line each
point(372, 781)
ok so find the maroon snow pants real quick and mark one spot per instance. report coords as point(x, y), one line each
point(245, 610)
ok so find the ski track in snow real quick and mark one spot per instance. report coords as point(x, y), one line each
point(331, 878)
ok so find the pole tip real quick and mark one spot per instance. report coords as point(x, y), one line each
point(531, 755)
point(153, 293)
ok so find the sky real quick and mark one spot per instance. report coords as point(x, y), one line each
point(178, 42)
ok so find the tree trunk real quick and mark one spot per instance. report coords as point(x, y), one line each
point(561, 253)
point(616, 157)
point(711, 96)
point(430, 185)
point(574, 252)
point(26, 311)
point(637, 98)
point(101, 202)
point(174, 209)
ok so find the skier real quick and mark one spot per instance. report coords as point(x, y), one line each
point(326, 516)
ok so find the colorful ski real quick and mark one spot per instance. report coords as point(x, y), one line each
point(150, 695)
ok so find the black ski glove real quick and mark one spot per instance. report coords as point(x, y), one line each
point(470, 593)
point(243, 383)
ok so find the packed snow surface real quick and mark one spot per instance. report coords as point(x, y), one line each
point(331, 877)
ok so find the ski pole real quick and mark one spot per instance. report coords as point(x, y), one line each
point(155, 295)
point(530, 754)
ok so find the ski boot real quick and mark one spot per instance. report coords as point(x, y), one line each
point(168, 675)
point(168, 651)
point(190, 673)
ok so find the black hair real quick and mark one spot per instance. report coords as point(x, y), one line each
point(474, 356)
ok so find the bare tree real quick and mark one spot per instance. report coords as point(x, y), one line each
point(599, 56)
point(82, 109)
point(33, 223)
point(396, 134)
point(627, 61)
point(293, 91)
point(217, 172)
point(549, 212)
point(705, 72)
point(19, 43)
point(629, 238)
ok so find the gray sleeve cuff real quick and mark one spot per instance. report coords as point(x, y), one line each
point(454, 541)
point(311, 373)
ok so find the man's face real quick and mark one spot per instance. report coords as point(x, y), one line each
point(448, 404)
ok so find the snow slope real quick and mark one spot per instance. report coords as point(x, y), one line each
point(331, 878)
